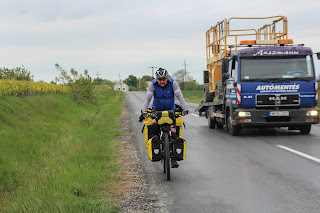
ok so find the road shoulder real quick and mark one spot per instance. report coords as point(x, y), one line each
point(132, 189)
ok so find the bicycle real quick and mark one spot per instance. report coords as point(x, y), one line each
point(169, 150)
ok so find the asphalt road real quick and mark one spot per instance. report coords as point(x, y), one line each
point(262, 170)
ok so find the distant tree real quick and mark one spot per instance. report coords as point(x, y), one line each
point(108, 82)
point(100, 81)
point(18, 73)
point(192, 85)
point(200, 87)
point(318, 79)
point(181, 77)
point(147, 78)
point(132, 81)
point(97, 81)
point(82, 87)
point(143, 85)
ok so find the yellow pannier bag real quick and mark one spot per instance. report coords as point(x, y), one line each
point(153, 147)
point(179, 121)
point(147, 122)
point(179, 124)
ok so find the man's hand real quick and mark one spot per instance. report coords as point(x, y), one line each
point(185, 111)
point(144, 113)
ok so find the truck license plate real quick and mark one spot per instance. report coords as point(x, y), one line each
point(279, 113)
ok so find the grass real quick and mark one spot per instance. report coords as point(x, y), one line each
point(194, 96)
point(58, 156)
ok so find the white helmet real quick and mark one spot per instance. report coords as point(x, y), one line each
point(161, 73)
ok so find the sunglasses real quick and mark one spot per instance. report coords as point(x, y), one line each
point(161, 79)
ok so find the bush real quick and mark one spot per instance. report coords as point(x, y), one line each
point(18, 73)
point(131, 88)
point(82, 86)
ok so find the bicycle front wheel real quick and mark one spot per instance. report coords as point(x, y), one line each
point(167, 155)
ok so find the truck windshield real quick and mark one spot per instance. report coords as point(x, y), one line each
point(276, 68)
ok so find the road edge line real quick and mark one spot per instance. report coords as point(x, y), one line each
point(298, 153)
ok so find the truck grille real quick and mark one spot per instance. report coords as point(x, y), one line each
point(278, 100)
point(278, 119)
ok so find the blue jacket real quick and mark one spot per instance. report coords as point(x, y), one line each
point(163, 96)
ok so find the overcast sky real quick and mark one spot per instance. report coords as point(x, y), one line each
point(126, 37)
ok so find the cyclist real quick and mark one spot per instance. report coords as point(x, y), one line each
point(163, 89)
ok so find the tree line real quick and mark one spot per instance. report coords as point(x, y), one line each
point(183, 78)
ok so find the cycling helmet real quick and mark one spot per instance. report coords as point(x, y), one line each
point(161, 73)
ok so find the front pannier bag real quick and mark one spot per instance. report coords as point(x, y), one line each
point(153, 147)
point(179, 149)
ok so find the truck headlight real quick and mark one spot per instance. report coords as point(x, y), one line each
point(244, 114)
point(312, 113)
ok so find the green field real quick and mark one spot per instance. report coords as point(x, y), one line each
point(194, 96)
point(59, 156)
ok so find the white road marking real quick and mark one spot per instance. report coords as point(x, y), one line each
point(194, 114)
point(299, 153)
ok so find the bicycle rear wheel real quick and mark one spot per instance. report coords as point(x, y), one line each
point(167, 155)
point(163, 161)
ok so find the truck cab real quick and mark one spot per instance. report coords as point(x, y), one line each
point(272, 87)
point(261, 81)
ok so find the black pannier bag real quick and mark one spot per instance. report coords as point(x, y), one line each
point(154, 150)
point(179, 149)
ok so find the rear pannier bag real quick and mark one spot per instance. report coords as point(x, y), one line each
point(153, 147)
point(179, 149)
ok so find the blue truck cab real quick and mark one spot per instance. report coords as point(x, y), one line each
point(272, 87)
point(265, 81)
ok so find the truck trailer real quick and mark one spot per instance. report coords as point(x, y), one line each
point(258, 78)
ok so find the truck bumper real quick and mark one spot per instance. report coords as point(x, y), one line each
point(263, 118)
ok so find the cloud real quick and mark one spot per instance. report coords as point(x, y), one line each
point(112, 37)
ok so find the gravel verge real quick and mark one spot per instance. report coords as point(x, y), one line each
point(133, 192)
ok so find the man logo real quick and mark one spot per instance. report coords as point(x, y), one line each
point(277, 98)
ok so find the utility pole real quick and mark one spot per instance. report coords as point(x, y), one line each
point(98, 74)
point(152, 67)
point(139, 83)
point(120, 82)
point(184, 74)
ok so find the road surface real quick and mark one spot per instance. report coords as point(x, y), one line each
point(262, 170)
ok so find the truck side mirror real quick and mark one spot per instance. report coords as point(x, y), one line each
point(318, 55)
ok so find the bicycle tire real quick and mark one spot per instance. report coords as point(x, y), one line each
point(163, 157)
point(167, 155)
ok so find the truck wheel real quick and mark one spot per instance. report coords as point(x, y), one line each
point(219, 125)
point(212, 123)
point(305, 129)
point(234, 130)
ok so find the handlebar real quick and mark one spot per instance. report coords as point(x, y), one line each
point(176, 114)
point(154, 115)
